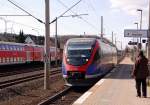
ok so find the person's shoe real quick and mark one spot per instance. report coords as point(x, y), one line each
point(138, 96)
point(144, 96)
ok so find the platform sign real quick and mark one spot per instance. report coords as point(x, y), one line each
point(135, 33)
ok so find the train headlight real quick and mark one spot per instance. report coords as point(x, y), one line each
point(68, 60)
point(87, 60)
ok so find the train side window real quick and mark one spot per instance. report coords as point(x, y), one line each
point(14, 48)
point(3, 46)
point(10, 47)
point(17, 48)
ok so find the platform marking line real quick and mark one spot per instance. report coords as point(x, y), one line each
point(114, 70)
point(100, 82)
point(83, 98)
point(108, 75)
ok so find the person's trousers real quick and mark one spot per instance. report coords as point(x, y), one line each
point(142, 82)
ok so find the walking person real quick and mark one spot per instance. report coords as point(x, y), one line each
point(140, 73)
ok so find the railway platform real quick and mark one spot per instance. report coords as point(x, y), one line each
point(116, 88)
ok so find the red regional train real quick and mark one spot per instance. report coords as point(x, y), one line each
point(85, 60)
point(16, 53)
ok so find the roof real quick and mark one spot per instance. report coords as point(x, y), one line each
point(80, 40)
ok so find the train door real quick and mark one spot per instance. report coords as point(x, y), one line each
point(18, 54)
point(28, 56)
point(10, 54)
point(22, 54)
point(29, 53)
point(37, 55)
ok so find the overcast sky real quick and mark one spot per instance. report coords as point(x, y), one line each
point(118, 15)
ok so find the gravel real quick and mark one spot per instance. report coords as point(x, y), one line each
point(30, 93)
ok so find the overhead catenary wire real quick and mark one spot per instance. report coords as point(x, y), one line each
point(90, 5)
point(13, 15)
point(26, 12)
point(68, 9)
point(19, 23)
point(78, 16)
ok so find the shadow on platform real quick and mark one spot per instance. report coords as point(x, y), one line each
point(122, 71)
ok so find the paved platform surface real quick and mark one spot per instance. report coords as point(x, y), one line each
point(117, 88)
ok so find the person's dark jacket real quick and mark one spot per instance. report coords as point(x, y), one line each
point(140, 70)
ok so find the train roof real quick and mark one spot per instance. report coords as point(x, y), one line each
point(81, 40)
point(12, 43)
point(89, 40)
point(19, 44)
point(104, 40)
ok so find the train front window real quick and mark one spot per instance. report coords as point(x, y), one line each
point(79, 50)
point(78, 54)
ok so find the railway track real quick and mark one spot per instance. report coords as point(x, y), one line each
point(19, 69)
point(65, 97)
point(16, 81)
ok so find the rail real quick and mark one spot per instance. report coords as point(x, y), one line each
point(12, 82)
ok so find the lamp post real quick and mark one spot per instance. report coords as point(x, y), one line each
point(112, 37)
point(137, 27)
point(102, 27)
point(148, 52)
point(140, 10)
